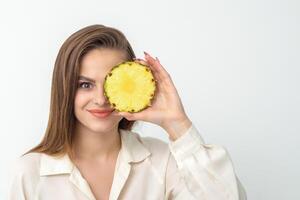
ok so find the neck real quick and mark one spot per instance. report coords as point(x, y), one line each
point(91, 145)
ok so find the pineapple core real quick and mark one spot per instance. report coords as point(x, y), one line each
point(128, 85)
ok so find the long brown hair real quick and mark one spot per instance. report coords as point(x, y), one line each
point(58, 137)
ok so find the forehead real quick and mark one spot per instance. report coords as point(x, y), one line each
point(98, 62)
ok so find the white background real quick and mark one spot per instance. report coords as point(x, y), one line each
point(235, 64)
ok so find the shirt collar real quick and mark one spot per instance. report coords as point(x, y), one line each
point(132, 151)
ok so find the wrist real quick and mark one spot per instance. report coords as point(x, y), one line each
point(177, 127)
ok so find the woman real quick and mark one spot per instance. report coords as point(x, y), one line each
point(84, 155)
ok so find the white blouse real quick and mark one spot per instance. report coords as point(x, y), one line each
point(147, 168)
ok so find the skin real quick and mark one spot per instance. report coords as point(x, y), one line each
point(95, 137)
point(166, 110)
point(97, 141)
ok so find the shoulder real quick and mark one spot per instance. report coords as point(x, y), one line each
point(24, 176)
point(26, 167)
point(28, 163)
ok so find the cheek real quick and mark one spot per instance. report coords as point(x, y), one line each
point(81, 99)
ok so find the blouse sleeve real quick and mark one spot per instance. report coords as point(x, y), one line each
point(16, 183)
point(17, 190)
point(23, 179)
point(200, 171)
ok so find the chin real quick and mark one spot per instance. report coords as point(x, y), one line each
point(100, 126)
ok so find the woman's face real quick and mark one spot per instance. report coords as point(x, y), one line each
point(90, 94)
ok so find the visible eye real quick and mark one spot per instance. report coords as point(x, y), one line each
point(85, 85)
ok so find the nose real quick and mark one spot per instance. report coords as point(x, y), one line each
point(99, 97)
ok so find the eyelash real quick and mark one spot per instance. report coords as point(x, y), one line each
point(82, 83)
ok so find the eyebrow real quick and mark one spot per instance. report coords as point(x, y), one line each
point(86, 79)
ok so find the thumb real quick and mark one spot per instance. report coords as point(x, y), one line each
point(127, 115)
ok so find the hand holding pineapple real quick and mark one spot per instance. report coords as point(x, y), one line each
point(166, 109)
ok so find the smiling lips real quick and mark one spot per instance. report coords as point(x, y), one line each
point(100, 113)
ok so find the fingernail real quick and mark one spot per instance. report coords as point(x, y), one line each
point(146, 54)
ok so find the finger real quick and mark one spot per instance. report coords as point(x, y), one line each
point(156, 64)
point(163, 74)
point(139, 60)
point(127, 115)
point(143, 62)
point(131, 116)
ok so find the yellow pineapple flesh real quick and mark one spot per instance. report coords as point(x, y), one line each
point(130, 87)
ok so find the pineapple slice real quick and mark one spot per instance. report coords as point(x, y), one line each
point(130, 87)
